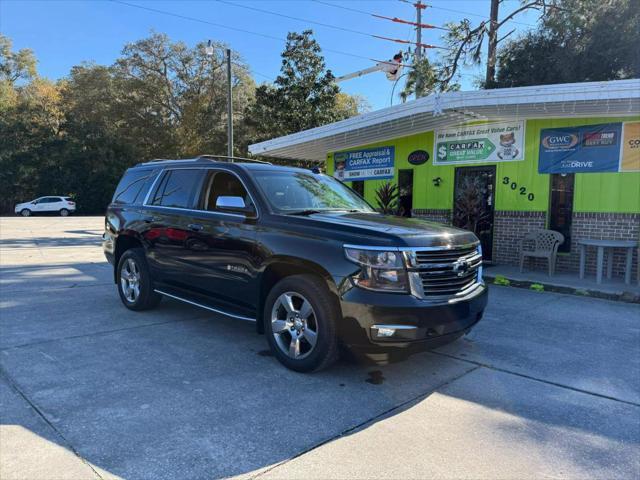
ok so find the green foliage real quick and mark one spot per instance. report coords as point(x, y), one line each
point(500, 280)
point(536, 287)
point(303, 96)
point(14, 66)
point(160, 99)
point(582, 40)
point(387, 195)
point(424, 79)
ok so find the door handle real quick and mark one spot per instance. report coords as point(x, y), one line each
point(196, 227)
point(150, 219)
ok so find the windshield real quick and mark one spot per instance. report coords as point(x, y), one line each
point(291, 192)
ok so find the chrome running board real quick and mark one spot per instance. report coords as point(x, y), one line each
point(206, 307)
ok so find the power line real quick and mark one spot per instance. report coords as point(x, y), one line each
point(370, 14)
point(235, 29)
point(277, 14)
point(321, 24)
point(464, 13)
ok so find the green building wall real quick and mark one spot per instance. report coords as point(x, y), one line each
point(593, 192)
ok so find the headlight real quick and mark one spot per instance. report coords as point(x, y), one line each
point(382, 270)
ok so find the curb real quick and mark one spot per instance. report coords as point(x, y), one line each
point(628, 297)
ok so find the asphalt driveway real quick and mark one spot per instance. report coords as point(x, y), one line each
point(547, 385)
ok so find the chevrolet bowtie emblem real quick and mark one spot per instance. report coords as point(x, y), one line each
point(461, 267)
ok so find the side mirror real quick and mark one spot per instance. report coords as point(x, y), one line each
point(35, 202)
point(233, 205)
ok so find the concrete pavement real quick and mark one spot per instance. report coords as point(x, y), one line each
point(546, 385)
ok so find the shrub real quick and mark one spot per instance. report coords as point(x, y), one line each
point(387, 197)
point(500, 280)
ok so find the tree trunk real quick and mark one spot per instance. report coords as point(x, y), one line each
point(493, 45)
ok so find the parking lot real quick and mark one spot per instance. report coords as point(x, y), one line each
point(547, 385)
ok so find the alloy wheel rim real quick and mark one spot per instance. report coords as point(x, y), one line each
point(130, 280)
point(294, 325)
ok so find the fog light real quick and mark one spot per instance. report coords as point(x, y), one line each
point(386, 332)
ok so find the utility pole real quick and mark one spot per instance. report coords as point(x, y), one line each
point(493, 44)
point(229, 107)
point(418, 56)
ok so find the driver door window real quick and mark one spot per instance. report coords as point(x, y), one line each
point(224, 184)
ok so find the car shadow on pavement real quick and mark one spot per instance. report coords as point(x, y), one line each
point(79, 240)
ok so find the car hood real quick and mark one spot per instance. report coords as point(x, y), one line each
point(378, 229)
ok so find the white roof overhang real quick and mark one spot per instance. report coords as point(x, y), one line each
point(611, 98)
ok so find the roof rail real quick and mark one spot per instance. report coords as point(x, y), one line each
point(224, 158)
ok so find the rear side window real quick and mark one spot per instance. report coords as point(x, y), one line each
point(130, 187)
point(176, 189)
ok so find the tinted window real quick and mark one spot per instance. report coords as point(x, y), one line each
point(296, 191)
point(131, 185)
point(49, 200)
point(224, 184)
point(176, 188)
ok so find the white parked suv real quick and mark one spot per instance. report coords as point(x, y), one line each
point(62, 205)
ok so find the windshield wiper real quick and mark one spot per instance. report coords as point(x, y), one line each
point(309, 211)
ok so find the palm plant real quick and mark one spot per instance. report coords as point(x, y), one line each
point(387, 196)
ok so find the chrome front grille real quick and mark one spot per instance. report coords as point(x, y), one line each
point(448, 272)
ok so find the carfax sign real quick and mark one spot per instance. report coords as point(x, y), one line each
point(489, 142)
point(367, 164)
point(590, 148)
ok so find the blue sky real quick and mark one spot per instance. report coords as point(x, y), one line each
point(65, 33)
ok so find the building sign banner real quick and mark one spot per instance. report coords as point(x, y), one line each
point(367, 164)
point(489, 142)
point(589, 148)
point(630, 154)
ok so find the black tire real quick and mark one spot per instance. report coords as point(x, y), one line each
point(146, 298)
point(64, 212)
point(25, 212)
point(326, 313)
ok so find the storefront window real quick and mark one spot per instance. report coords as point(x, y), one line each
point(561, 208)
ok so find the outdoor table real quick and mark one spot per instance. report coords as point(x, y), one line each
point(601, 245)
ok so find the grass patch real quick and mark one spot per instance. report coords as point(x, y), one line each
point(500, 280)
point(536, 287)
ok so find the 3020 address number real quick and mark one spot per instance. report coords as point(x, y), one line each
point(514, 186)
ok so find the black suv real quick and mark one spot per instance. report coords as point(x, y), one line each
point(295, 251)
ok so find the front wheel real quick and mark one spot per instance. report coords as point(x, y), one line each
point(64, 212)
point(25, 212)
point(135, 285)
point(300, 316)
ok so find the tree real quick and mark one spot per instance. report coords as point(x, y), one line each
point(77, 136)
point(178, 94)
point(14, 66)
point(430, 80)
point(581, 40)
point(303, 96)
point(464, 42)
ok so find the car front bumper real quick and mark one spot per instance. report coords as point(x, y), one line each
point(417, 324)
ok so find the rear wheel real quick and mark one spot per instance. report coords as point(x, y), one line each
point(300, 318)
point(135, 285)
point(64, 212)
point(25, 212)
